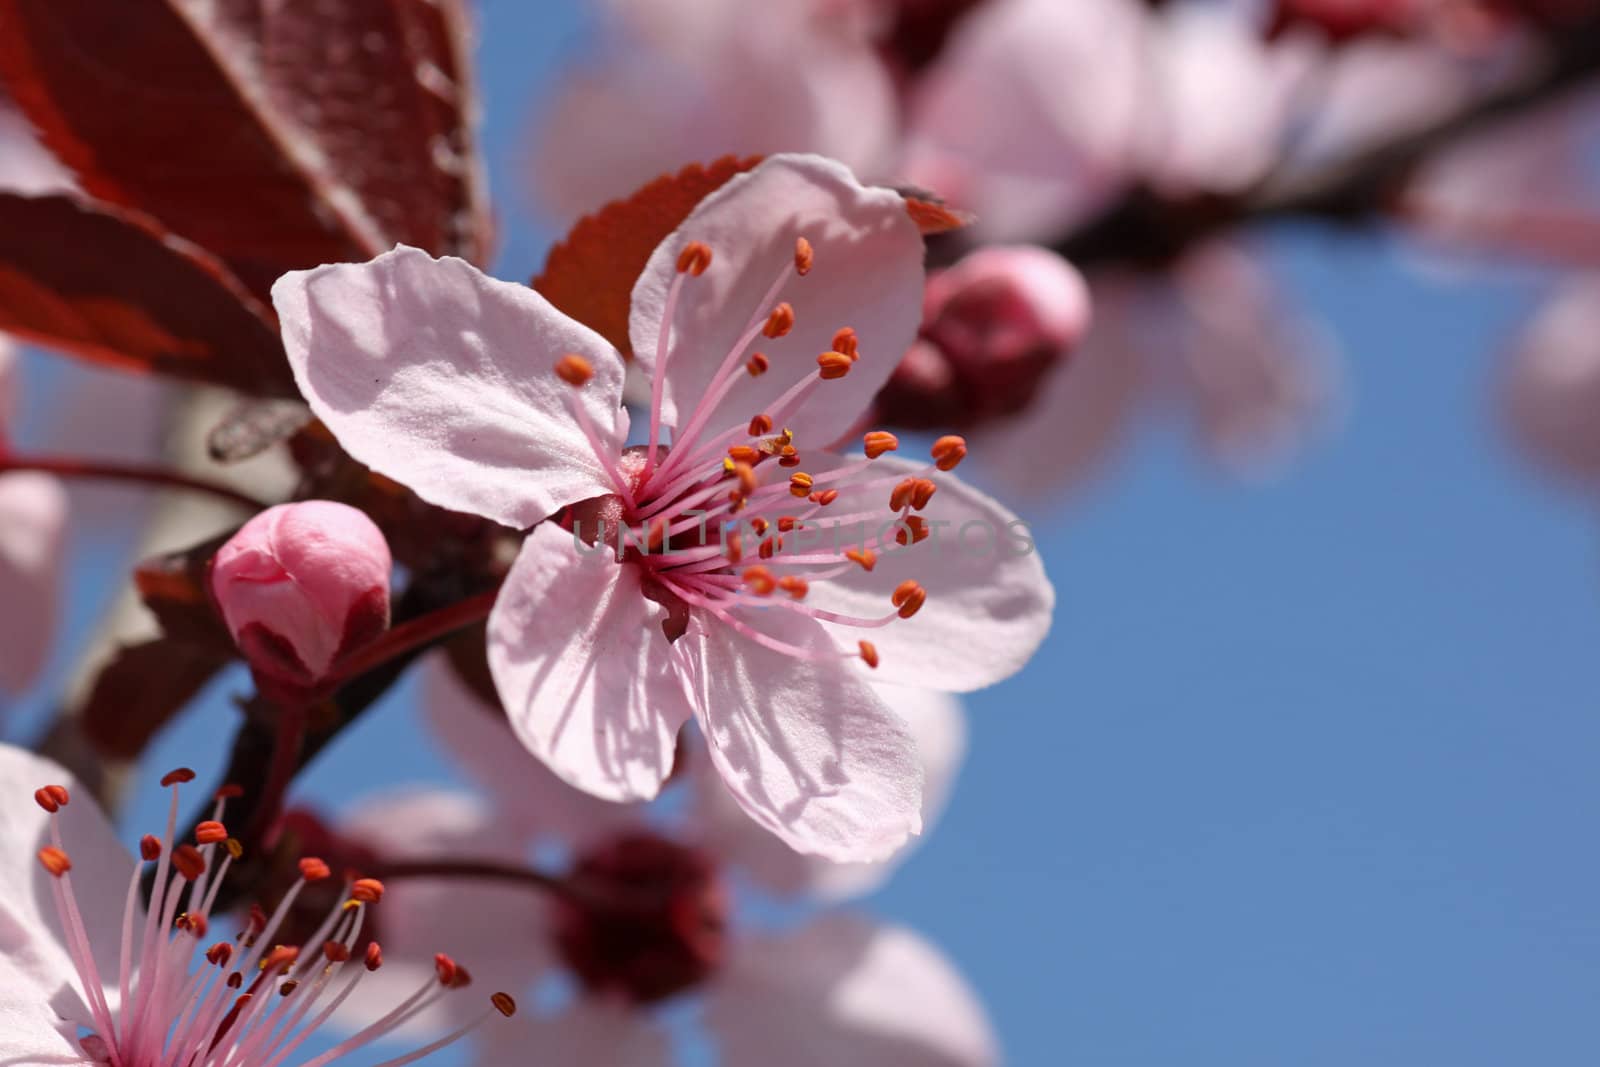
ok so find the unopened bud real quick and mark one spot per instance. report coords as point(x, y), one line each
point(301, 585)
point(992, 326)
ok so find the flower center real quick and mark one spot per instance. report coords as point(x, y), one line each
point(248, 1002)
point(729, 517)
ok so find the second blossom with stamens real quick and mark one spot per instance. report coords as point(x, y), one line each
point(733, 566)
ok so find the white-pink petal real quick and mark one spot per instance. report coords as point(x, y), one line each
point(33, 515)
point(588, 1032)
point(1552, 382)
point(867, 275)
point(846, 991)
point(442, 378)
point(806, 748)
point(580, 661)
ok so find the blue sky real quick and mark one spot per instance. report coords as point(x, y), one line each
point(1305, 773)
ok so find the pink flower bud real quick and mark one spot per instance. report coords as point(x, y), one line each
point(301, 585)
point(992, 326)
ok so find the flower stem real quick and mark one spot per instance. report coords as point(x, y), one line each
point(416, 633)
point(141, 474)
point(286, 745)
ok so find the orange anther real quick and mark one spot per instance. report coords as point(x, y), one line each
point(913, 530)
point(757, 364)
point(803, 256)
point(288, 987)
point(280, 956)
point(189, 862)
point(824, 498)
point(374, 958)
point(51, 798)
point(759, 525)
point(832, 365)
point(210, 832)
point(864, 556)
point(504, 1004)
point(900, 495)
point(869, 653)
point(335, 951)
point(846, 341)
point(228, 792)
point(760, 424)
point(177, 777)
point(733, 549)
point(795, 587)
point(747, 477)
point(788, 456)
point(574, 369)
point(760, 580)
point(445, 968)
point(880, 441)
point(921, 492)
point(770, 547)
point(908, 597)
point(367, 890)
point(780, 322)
point(149, 848)
point(313, 869)
point(744, 454)
point(787, 523)
point(800, 483)
point(219, 954)
point(695, 258)
point(54, 860)
point(234, 846)
point(949, 451)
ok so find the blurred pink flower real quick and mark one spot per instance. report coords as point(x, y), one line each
point(1552, 384)
point(1213, 336)
point(679, 81)
point(482, 397)
point(89, 977)
point(33, 521)
point(838, 990)
point(301, 585)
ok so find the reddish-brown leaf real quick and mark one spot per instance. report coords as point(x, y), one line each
point(112, 286)
point(590, 274)
point(277, 136)
point(141, 689)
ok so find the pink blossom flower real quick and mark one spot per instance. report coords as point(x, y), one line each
point(90, 976)
point(838, 990)
point(33, 516)
point(481, 397)
point(301, 585)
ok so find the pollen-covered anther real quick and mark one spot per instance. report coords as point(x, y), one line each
point(869, 654)
point(335, 951)
point(833, 365)
point(787, 523)
point(878, 442)
point(760, 580)
point(846, 341)
point(219, 954)
point(770, 547)
point(374, 957)
point(313, 869)
point(695, 258)
point(366, 890)
point(194, 923)
point(908, 597)
point(574, 370)
point(149, 847)
point(504, 1004)
point(913, 530)
point(949, 451)
point(54, 860)
point(281, 956)
point(210, 832)
point(760, 424)
point(800, 484)
point(745, 454)
point(824, 497)
point(780, 322)
point(188, 862)
point(794, 586)
point(900, 495)
point(922, 490)
point(865, 557)
point(234, 846)
point(177, 776)
point(445, 968)
point(759, 525)
point(804, 256)
point(788, 456)
point(52, 798)
point(757, 364)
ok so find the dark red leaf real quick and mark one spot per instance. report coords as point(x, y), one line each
point(141, 689)
point(278, 136)
point(112, 286)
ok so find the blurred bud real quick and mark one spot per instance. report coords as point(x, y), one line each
point(301, 585)
point(1552, 386)
point(992, 326)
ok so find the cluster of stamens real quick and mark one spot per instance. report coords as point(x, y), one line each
point(247, 1002)
point(712, 499)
